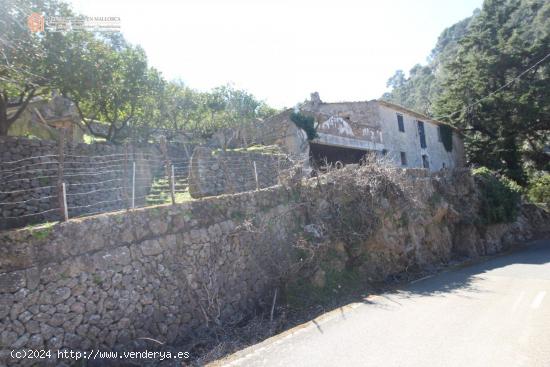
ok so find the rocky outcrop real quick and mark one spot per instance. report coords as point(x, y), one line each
point(423, 220)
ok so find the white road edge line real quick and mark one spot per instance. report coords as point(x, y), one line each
point(518, 301)
point(538, 300)
point(421, 279)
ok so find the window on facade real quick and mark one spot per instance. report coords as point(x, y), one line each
point(425, 161)
point(400, 123)
point(403, 159)
point(422, 134)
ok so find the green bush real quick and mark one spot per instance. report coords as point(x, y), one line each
point(539, 189)
point(307, 123)
point(500, 197)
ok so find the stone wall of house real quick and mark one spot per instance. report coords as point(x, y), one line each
point(351, 124)
point(97, 178)
point(360, 126)
point(408, 142)
point(161, 272)
point(215, 172)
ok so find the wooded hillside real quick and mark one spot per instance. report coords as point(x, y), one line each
point(489, 75)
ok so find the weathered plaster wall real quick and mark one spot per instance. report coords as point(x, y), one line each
point(347, 124)
point(408, 141)
point(372, 126)
point(359, 114)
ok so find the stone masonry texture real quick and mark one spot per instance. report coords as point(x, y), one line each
point(103, 281)
point(161, 272)
point(214, 173)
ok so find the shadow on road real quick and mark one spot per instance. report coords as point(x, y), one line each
point(461, 277)
point(456, 278)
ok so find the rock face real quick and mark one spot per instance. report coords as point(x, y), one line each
point(161, 272)
point(429, 220)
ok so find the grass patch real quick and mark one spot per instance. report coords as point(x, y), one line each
point(41, 231)
point(97, 279)
point(90, 139)
point(160, 193)
point(262, 149)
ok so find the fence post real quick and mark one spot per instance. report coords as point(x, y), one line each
point(173, 185)
point(65, 209)
point(133, 184)
point(61, 189)
point(256, 176)
point(125, 182)
point(167, 165)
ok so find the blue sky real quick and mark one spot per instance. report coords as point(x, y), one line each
point(281, 50)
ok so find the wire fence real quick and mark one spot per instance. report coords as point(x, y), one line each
point(56, 187)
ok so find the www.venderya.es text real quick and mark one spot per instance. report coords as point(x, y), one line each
point(65, 354)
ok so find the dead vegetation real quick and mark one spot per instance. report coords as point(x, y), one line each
point(340, 206)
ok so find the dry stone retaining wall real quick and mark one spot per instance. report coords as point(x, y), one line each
point(161, 272)
point(104, 281)
point(220, 172)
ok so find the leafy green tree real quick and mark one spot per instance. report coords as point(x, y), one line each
point(506, 38)
point(507, 130)
point(150, 117)
point(24, 68)
point(539, 189)
point(226, 106)
point(182, 108)
point(116, 92)
point(415, 92)
point(112, 90)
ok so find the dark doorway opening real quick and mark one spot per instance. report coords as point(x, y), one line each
point(425, 161)
point(320, 153)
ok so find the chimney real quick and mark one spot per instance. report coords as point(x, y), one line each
point(315, 99)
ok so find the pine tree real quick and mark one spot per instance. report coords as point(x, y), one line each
point(507, 127)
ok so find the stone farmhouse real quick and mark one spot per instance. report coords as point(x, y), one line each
point(346, 131)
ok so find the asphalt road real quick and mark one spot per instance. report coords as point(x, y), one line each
point(495, 313)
